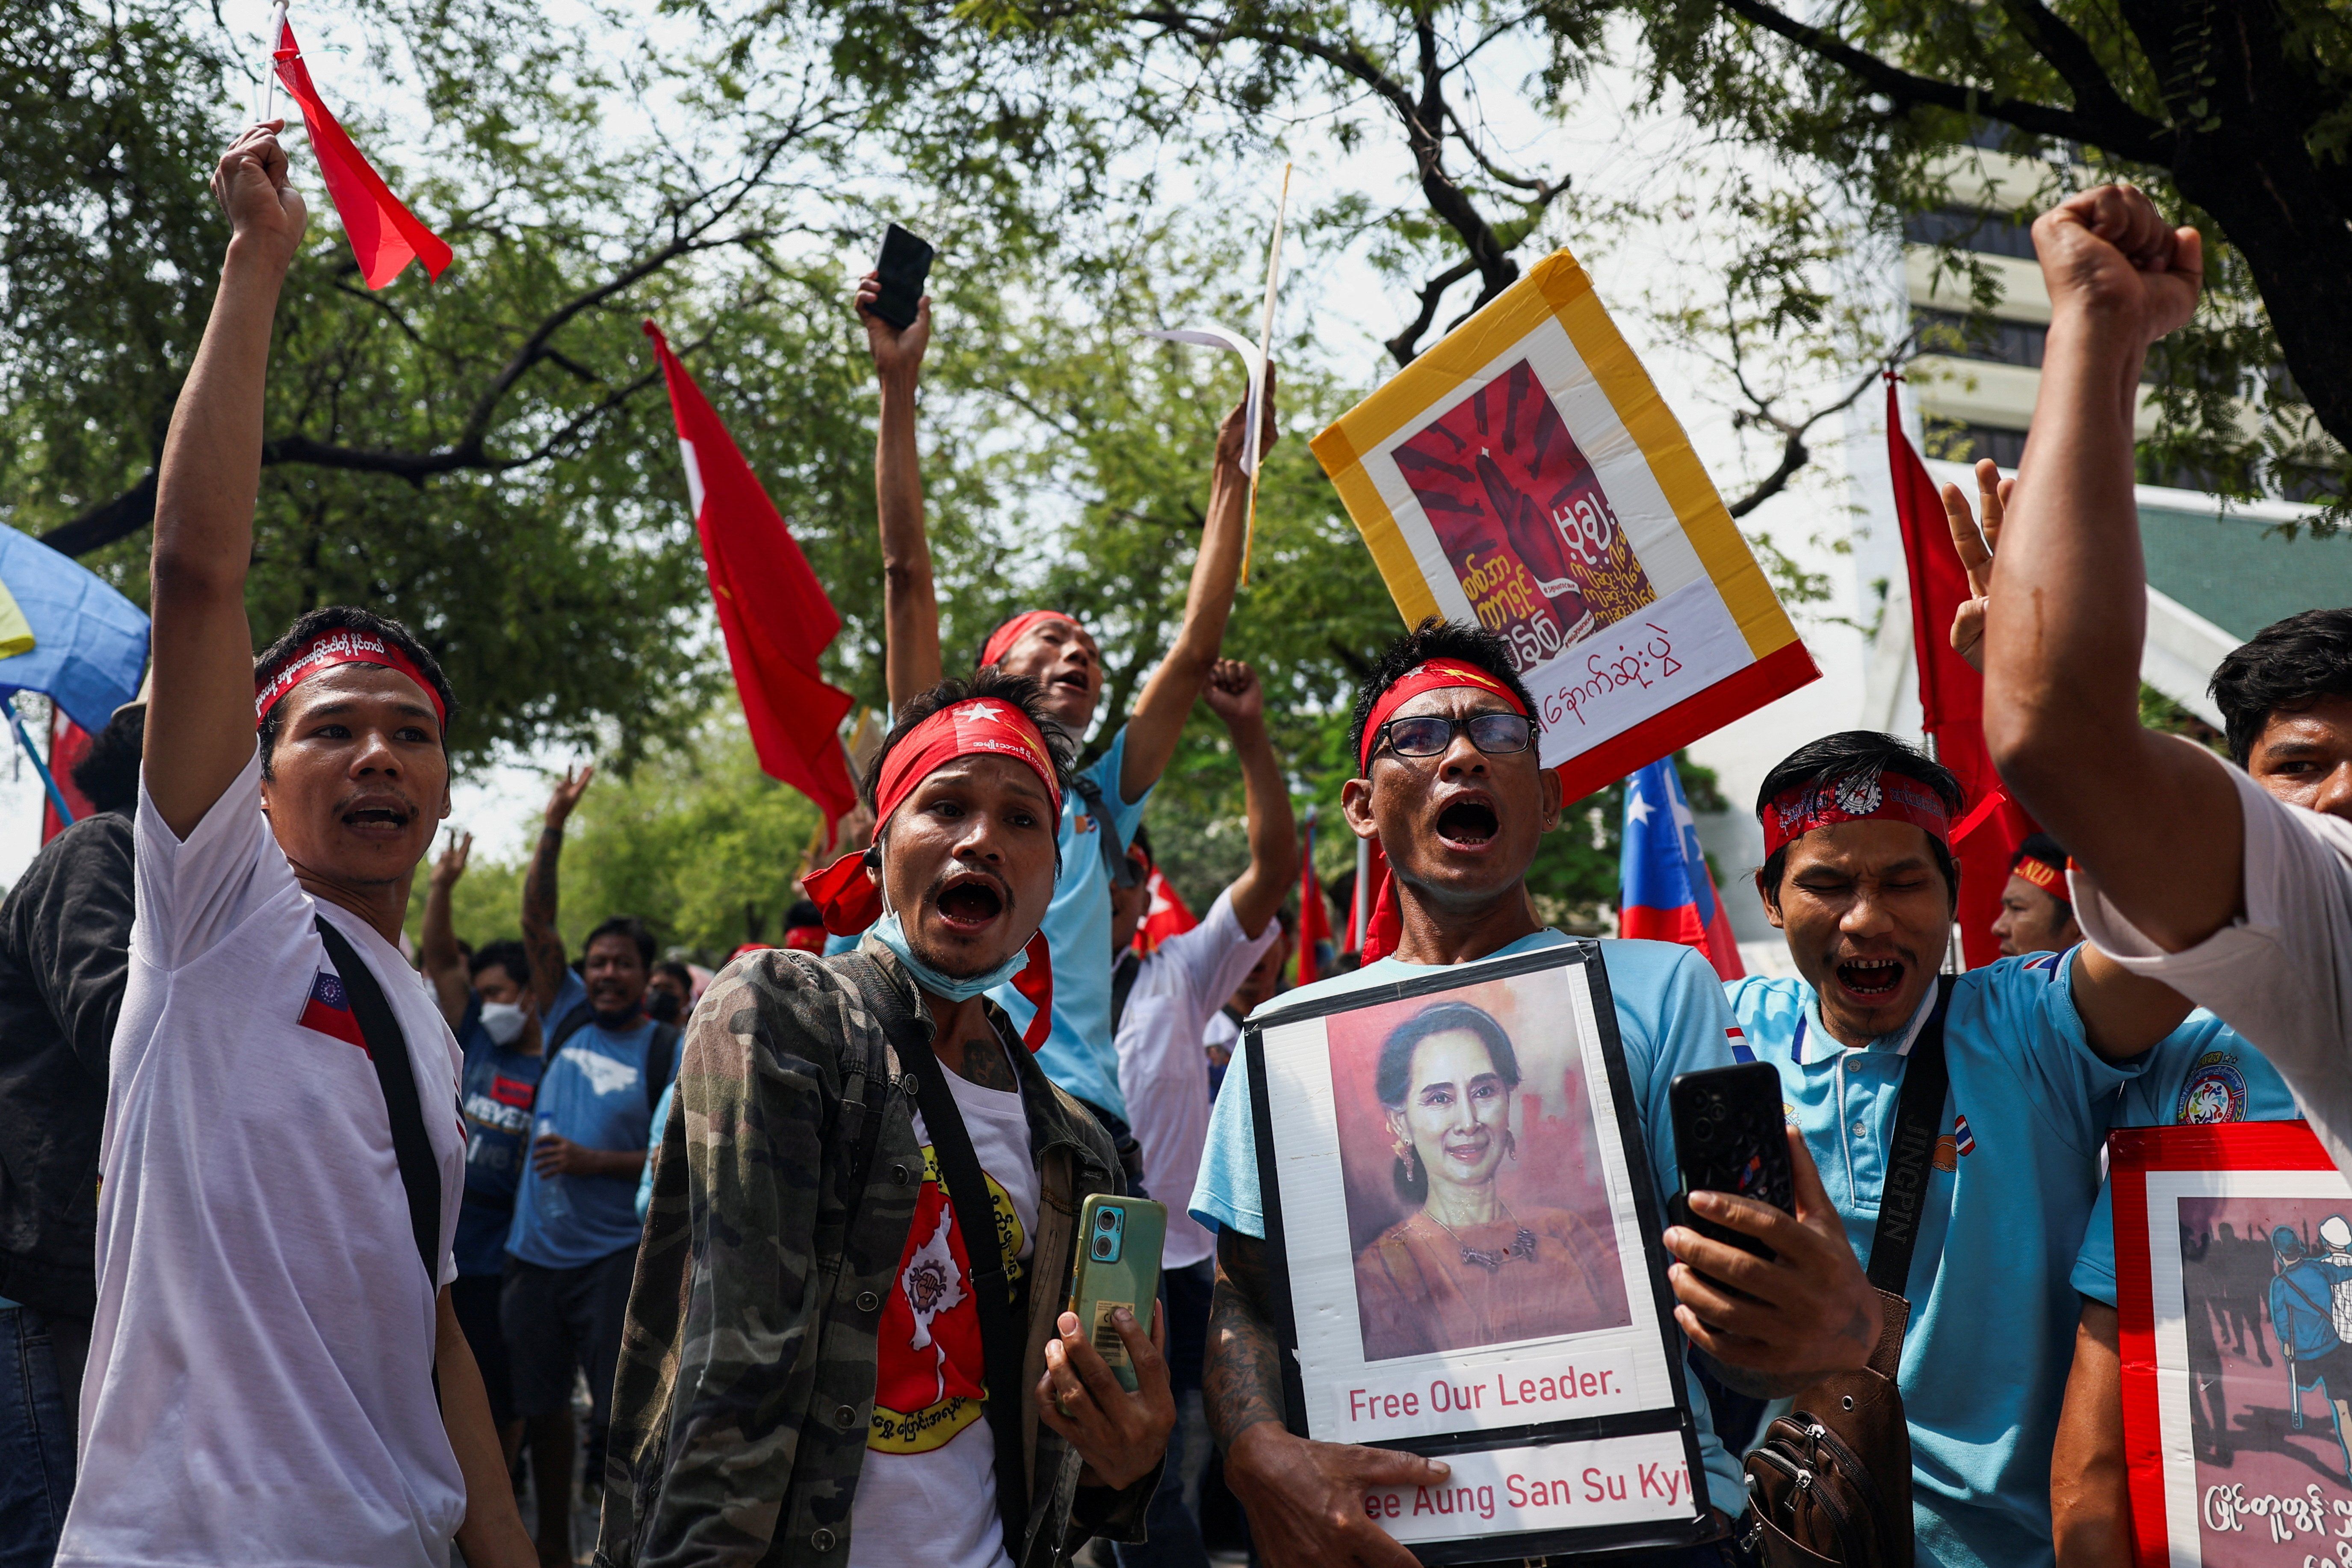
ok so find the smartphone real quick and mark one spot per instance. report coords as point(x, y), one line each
point(1730, 1136)
point(1118, 1265)
point(905, 262)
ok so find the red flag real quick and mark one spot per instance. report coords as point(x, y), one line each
point(69, 743)
point(1165, 916)
point(1314, 913)
point(386, 236)
point(1951, 695)
point(773, 611)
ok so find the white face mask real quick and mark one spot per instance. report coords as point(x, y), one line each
point(502, 1021)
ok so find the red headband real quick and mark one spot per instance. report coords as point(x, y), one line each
point(1861, 797)
point(1385, 924)
point(2051, 879)
point(1437, 675)
point(342, 645)
point(999, 641)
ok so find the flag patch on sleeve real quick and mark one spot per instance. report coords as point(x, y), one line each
point(1963, 1139)
point(328, 1011)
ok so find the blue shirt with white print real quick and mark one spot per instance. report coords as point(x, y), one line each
point(2015, 1173)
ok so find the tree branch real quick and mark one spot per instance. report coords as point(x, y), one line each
point(2069, 54)
point(106, 521)
point(1406, 345)
point(1794, 453)
point(1905, 88)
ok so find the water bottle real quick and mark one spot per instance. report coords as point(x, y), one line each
point(554, 1199)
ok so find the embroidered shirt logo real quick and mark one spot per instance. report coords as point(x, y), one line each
point(2216, 1091)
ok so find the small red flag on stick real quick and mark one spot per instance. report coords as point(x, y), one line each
point(386, 236)
point(773, 611)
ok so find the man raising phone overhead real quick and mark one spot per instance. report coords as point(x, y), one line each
point(1056, 651)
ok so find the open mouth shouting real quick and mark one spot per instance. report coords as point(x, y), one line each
point(1870, 982)
point(385, 817)
point(1468, 823)
point(968, 902)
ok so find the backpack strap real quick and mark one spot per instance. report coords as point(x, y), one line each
point(660, 1052)
point(571, 1024)
point(1122, 983)
point(1001, 1344)
point(387, 1048)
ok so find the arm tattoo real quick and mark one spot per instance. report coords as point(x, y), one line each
point(1243, 1381)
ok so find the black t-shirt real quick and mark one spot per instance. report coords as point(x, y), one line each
point(65, 943)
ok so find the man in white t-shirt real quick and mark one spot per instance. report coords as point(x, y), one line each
point(1168, 996)
point(832, 1357)
point(275, 1372)
point(2236, 893)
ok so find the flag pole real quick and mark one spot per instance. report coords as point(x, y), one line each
point(1253, 457)
point(269, 61)
point(57, 795)
point(1364, 892)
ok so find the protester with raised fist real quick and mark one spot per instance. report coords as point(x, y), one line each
point(276, 1371)
point(2188, 868)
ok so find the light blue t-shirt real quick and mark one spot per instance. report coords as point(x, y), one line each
point(594, 1093)
point(2202, 1072)
point(1991, 1338)
point(1080, 1054)
point(1670, 1019)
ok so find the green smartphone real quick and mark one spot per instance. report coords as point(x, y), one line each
point(1118, 1265)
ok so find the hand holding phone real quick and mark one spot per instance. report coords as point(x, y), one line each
point(904, 263)
point(1730, 1137)
point(1120, 1242)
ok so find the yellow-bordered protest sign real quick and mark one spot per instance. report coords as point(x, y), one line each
point(1525, 474)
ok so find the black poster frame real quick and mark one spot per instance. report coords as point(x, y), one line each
point(1584, 953)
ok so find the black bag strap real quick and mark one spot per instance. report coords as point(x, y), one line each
point(1919, 1122)
point(991, 1288)
point(571, 1024)
point(660, 1051)
point(387, 1046)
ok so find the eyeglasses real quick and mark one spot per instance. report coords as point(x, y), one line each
point(1429, 734)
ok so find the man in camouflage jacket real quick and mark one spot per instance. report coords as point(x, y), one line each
point(747, 1382)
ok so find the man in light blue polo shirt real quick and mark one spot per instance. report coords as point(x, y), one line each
point(1052, 648)
point(1859, 875)
point(1453, 789)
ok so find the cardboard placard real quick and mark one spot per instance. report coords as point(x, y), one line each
point(1524, 474)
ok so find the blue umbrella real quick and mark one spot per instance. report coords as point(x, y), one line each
point(90, 643)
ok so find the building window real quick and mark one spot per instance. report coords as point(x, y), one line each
point(1977, 337)
point(1951, 441)
point(1988, 234)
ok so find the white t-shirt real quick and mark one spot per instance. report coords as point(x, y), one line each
point(2282, 974)
point(1162, 1068)
point(927, 1492)
point(260, 1383)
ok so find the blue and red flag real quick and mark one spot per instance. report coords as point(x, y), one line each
point(1664, 889)
point(328, 1009)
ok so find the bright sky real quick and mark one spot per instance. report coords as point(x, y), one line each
point(1609, 154)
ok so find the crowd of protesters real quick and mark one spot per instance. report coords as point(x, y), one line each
point(705, 1250)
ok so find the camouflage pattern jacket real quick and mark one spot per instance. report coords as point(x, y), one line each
point(747, 1376)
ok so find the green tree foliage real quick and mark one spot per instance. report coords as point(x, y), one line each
point(2239, 118)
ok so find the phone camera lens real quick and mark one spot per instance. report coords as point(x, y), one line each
point(1102, 1248)
point(1108, 1219)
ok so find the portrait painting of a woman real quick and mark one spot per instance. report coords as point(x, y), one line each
point(1464, 1267)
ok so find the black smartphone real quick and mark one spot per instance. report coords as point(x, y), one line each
point(1730, 1137)
point(905, 262)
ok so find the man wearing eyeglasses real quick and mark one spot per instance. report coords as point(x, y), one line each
point(1452, 787)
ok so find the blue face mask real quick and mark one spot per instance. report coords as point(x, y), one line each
point(892, 935)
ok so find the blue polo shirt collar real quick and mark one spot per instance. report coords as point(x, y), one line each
point(1808, 1029)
